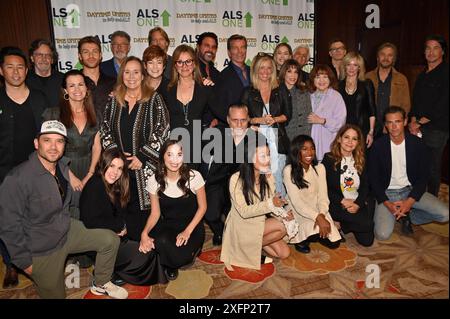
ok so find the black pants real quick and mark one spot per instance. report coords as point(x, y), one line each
point(435, 140)
point(360, 224)
point(216, 199)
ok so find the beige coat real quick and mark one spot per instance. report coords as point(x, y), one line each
point(244, 227)
point(399, 89)
point(309, 202)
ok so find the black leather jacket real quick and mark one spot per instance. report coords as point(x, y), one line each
point(280, 104)
point(364, 106)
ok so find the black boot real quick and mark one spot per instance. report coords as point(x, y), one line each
point(171, 274)
point(302, 247)
point(406, 225)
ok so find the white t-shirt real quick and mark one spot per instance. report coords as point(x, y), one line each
point(349, 178)
point(172, 190)
point(399, 177)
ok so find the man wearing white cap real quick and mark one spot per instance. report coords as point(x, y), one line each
point(36, 225)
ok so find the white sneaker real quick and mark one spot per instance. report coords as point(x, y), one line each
point(111, 290)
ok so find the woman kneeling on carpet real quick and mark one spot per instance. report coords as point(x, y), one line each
point(103, 204)
point(174, 228)
point(348, 185)
point(306, 185)
point(249, 226)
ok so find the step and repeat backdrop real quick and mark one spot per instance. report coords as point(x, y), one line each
point(264, 23)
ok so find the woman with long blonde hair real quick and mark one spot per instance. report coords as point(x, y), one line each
point(268, 110)
point(348, 185)
point(358, 94)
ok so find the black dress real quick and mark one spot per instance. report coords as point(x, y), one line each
point(176, 214)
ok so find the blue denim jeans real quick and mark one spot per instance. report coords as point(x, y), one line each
point(278, 161)
point(428, 209)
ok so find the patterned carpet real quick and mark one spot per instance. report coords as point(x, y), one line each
point(409, 267)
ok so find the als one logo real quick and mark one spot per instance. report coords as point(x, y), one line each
point(270, 41)
point(152, 18)
point(68, 17)
point(237, 18)
point(189, 39)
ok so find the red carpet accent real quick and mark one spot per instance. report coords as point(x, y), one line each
point(251, 275)
point(134, 292)
point(210, 257)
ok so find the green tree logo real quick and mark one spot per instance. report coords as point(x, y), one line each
point(248, 20)
point(165, 15)
point(73, 16)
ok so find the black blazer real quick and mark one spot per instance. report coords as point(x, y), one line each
point(364, 103)
point(213, 72)
point(107, 67)
point(230, 88)
point(417, 166)
point(334, 186)
point(96, 209)
point(279, 105)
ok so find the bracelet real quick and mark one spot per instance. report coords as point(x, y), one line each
point(324, 121)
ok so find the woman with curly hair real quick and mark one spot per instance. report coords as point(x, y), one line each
point(348, 185)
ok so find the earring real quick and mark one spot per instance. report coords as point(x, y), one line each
point(66, 96)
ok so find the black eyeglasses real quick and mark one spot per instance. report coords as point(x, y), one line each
point(187, 62)
point(60, 189)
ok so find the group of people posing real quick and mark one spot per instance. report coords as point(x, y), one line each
point(93, 166)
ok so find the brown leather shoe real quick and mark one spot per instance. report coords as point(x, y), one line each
point(11, 278)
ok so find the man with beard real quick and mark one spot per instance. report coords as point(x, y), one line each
point(391, 87)
point(36, 224)
point(429, 112)
point(100, 85)
point(157, 36)
point(207, 44)
point(206, 52)
point(120, 46)
point(42, 76)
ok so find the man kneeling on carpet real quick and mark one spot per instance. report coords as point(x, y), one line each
point(250, 226)
point(36, 224)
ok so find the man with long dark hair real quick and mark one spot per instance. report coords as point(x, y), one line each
point(429, 112)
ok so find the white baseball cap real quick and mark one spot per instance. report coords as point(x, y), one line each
point(55, 127)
